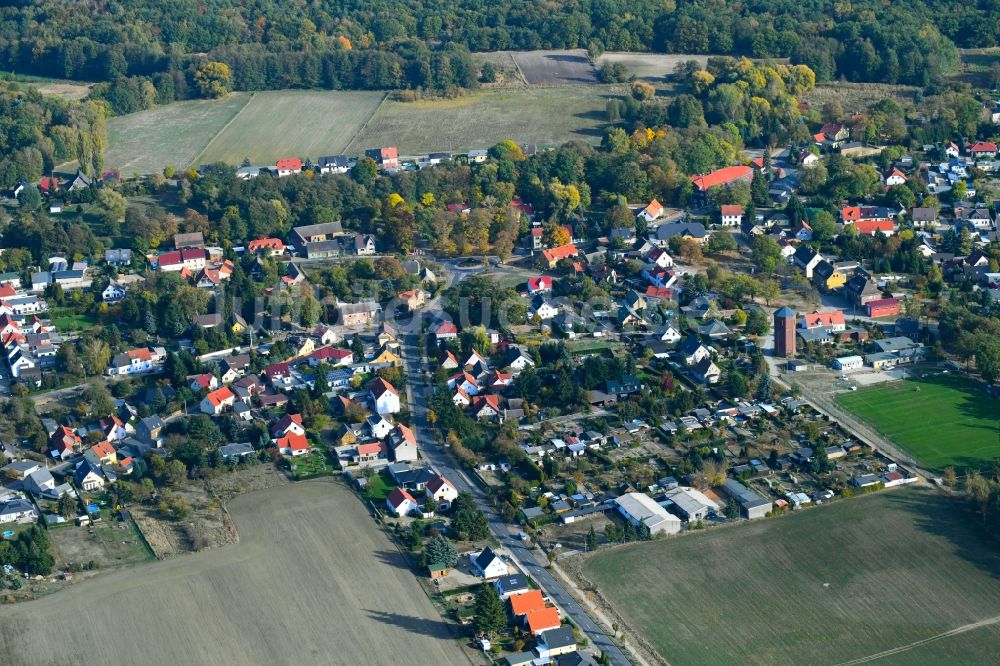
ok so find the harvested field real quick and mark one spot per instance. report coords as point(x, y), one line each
point(555, 67)
point(481, 119)
point(856, 97)
point(654, 67)
point(292, 123)
point(311, 582)
point(939, 419)
point(175, 134)
point(821, 586)
point(263, 127)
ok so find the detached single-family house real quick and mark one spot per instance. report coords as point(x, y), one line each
point(401, 503)
point(292, 445)
point(289, 423)
point(218, 401)
point(18, 511)
point(488, 564)
point(441, 489)
point(807, 259)
point(652, 211)
point(384, 397)
point(88, 476)
point(113, 293)
point(731, 215)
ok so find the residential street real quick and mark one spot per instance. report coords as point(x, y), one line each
point(417, 393)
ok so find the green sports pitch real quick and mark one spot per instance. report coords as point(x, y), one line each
point(940, 419)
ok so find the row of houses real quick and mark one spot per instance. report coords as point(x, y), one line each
point(387, 159)
point(29, 346)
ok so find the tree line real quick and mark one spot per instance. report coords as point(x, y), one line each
point(391, 43)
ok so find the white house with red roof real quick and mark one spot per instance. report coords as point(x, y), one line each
point(266, 245)
point(499, 381)
point(292, 445)
point(982, 149)
point(893, 177)
point(289, 423)
point(441, 489)
point(660, 257)
point(288, 166)
point(335, 356)
point(872, 227)
point(833, 320)
point(385, 158)
point(719, 178)
point(486, 407)
point(218, 401)
point(204, 381)
point(652, 211)
point(115, 429)
point(137, 361)
point(460, 398)
point(553, 256)
point(540, 284)
point(445, 330)
point(383, 396)
point(731, 215)
point(401, 503)
point(64, 442)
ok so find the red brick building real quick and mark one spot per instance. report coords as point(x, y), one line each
point(883, 307)
point(784, 332)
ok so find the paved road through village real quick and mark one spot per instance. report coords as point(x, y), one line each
point(417, 393)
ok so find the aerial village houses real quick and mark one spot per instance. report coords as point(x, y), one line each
point(138, 361)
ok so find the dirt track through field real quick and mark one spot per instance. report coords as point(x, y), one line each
point(312, 582)
point(904, 648)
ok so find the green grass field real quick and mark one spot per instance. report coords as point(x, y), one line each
point(941, 419)
point(175, 134)
point(292, 123)
point(266, 126)
point(481, 119)
point(822, 586)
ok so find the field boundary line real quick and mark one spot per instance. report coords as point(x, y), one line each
point(364, 125)
point(243, 108)
point(520, 72)
point(905, 648)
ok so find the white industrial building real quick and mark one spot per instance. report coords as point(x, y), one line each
point(692, 504)
point(640, 508)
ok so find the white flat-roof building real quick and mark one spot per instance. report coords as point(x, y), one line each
point(849, 363)
point(640, 508)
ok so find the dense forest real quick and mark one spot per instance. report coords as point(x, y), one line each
point(426, 43)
